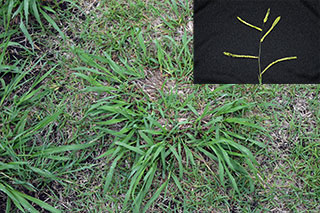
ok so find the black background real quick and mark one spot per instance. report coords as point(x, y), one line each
point(217, 30)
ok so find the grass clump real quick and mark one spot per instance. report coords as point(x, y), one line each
point(162, 149)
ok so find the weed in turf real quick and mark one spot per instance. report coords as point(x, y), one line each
point(168, 97)
point(158, 147)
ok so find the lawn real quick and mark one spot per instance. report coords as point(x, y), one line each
point(99, 113)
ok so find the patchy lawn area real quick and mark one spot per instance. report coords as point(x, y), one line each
point(98, 113)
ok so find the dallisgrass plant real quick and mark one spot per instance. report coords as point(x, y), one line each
point(156, 151)
point(262, 38)
point(20, 11)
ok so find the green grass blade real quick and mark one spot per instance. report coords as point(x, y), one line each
point(226, 158)
point(11, 196)
point(35, 11)
point(53, 24)
point(148, 179)
point(39, 202)
point(243, 149)
point(26, 10)
point(221, 172)
point(4, 47)
point(43, 173)
point(62, 149)
point(233, 181)
point(40, 125)
point(142, 44)
point(146, 138)
point(9, 12)
point(245, 122)
point(156, 195)
point(177, 182)
point(111, 172)
point(189, 155)
point(21, 200)
point(179, 159)
point(131, 148)
point(8, 205)
point(26, 33)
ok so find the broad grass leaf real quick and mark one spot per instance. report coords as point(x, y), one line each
point(223, 87)
point(147, 181)
point(177, 182)
point(158, 151)
point(226, 157)
point(26, 10)
point(210, 155)
point(179, 159)
point(242, 149)
point(221, 172)
point(11, 196)
point(18, 11)
point(17, 198)
point(61, 149)
point(156, 195)
point(9, 11)
point(193, 110)
point(142, 44)
point(146, 138)
point(39, 202)
point(36, 14)
point(131, 148)
point(134, 183)
point(262, 145)
point(11, 165)
point(245, 122)
point(111, 171)
point(26, 33)
point(111, 121)
point(233, 181)
point(43, 172)
point(108, 152)
point(90, 70)
point(26, 205)
point(99, 89)
point(39, 126)
point(189, 155)
point(4, 47)
point(53, 24)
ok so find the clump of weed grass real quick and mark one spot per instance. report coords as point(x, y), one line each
point(153, 149)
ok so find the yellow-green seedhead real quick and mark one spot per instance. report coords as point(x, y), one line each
point(262, 38)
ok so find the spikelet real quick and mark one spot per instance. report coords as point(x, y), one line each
point(273, 25)
point(250, 25)
point(277, 61)
point(239, 56)
point(266, 17)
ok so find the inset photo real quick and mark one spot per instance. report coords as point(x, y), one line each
point(256, 42)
